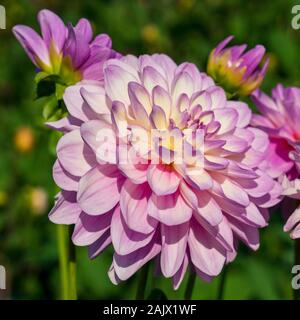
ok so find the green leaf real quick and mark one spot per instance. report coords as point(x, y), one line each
point(47, 85)
point(45, 88)
point(50, 107)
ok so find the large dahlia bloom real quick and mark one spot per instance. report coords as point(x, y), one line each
point(279, 118)
point(69, 52)
point(237, 71)
point(119, 187)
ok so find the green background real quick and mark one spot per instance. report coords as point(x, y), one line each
point(185, 30)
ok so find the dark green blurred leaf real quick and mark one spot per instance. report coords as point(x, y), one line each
point(157, 294)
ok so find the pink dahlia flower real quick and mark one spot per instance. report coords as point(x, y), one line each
point(148, 201)
point(237, 72)
point(68, 51)
point(279, 118)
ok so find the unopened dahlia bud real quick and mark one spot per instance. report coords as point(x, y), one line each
point(237, 71)
point(67, 51)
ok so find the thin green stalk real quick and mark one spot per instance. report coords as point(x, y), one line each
point(63, 261)
point(296, 293)
point(72, 269)
point(142, 283)
point(190, 286)
point(220, 295)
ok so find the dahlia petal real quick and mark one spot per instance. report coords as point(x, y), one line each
point(170, 209)
point(209, 209)
point(262, 122)
point(125, 240)
point(203, 99)
point(134, 204)
point(271, 198)
point(65, 124)
point(296, 233)
point(244, 113)
point(53, 29)
point(277, 158)
point(152, 78)
point(221, 232)
point(235, 144)
point(198, 178)
point(64, 179)
point(206, 253)
point(33, 44)
point(102, 40)
point(218, 97)
point(105, 182)
point(292, 220)
point(207, 81)
point(84, 28)
point(158, 118)
point(126, 265)
point(162, 179)
point(89, 229)
point(182, 83)
point(94, 71)
point(205, 277)
point(65, 210)
point(255, 216)
point(237, 170)
point(135, 168)
point(174, 242)
point(140, 101)
point(227, 117)
point(258, 187)
point(100, 137)
point(99, 245)
point(117, 76)
point(248, 234)
point(75, 157)
point(76, 47)
point(212, 163)
point(268, 108)
point(95, 99)
point(234, 192)
point(194, 73)
point(167, 64)
point(179, 275)
point(75, 104)
point(161, 98)
point(113, 276)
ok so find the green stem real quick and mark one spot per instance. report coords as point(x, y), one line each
point(72, 269)
point(296, 293)
point(221, 289)
point(67, 263)
point(190, 286)
point(142, 283)
point(63, 261)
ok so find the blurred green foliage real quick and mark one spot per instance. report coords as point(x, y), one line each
point(184, 29)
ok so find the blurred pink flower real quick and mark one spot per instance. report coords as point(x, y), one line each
point(239, 73)
point(189, 213)
point(279, 118)
point(68, 51)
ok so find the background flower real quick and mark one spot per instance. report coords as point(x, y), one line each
point(164, 210)
point(279, 118)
